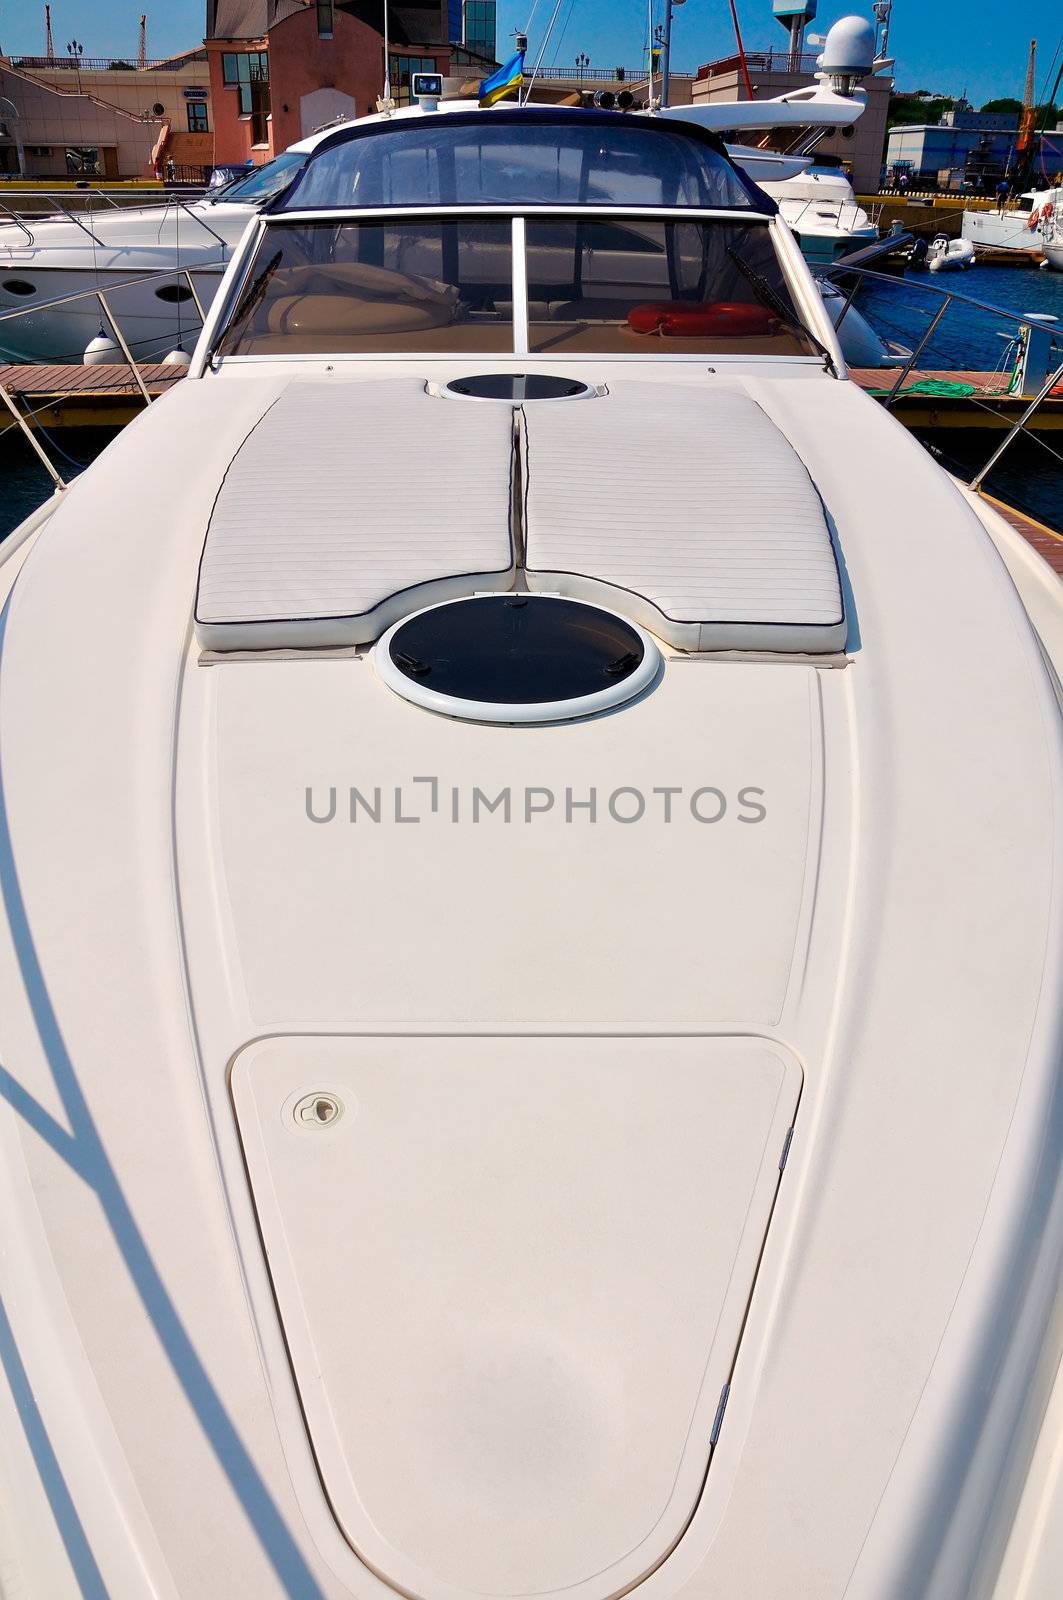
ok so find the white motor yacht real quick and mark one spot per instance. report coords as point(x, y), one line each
point(530, 965)
point(1019, 226)
point(1050, 228)
point(823, 211)
point(49, 259)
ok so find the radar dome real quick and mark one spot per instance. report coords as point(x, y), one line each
point(849, 48)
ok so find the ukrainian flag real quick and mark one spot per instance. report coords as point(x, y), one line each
point(511, 76)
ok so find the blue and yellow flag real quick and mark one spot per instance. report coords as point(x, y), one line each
point(511, 76)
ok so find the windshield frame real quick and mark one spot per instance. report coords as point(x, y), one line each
point(223, 193)
point(226, 306)
point(559, 117)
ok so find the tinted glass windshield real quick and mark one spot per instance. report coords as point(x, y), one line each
point(265, 182)
point(450, 161)
point(404, 285)
point(625, 285)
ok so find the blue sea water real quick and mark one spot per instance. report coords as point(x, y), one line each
point(1030, 474)
point(24, 484)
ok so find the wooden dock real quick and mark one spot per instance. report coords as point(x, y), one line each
point(1044, 539)
point(68, 396)
point(958, 400)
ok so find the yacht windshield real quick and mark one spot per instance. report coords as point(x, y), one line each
point(631, 285)
point(265, 183)
point(491, 159)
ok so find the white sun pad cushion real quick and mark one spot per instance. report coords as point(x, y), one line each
point(687, 510)
point(349, 506)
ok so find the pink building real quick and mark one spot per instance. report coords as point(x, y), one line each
point(281, 68)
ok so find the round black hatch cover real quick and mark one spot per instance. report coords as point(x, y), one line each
point(517, 657)
point(517, 387)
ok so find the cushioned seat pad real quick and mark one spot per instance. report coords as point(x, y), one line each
point(689, 510)
point(337, 515)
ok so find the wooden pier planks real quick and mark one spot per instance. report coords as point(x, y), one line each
point(111, 378)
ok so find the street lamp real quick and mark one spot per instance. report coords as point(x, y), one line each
point(76, 50)
point(20, 154)
point(583, 61)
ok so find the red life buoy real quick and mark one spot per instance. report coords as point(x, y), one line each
point(1046, 211)
point(686, 319)
point(1035, 217)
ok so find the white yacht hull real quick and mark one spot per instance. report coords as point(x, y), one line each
point(151, 321)
point(451, 1154)
point(1011, 231)
point(44, 260)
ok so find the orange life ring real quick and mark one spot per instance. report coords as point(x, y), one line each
point(1046, 211)
point(686, 319)
point(1035, 217)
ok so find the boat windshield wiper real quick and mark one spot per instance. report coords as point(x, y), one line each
point(774, 302)
point(255, 295)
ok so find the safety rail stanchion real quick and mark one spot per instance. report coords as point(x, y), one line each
point(195, 295)
point(850, 297)
point(116, 330)
point(17, 220)
point(917, 352)
point(1018, 426)
point(35, 443)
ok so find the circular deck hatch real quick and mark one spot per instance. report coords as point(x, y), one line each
point(516, 657)
point(518, 387)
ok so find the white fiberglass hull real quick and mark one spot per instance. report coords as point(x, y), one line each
point(1054, 254)
point(151, 319)
point(861, 345)
point(1011, 231)
point(823, 240)
point(44, 260)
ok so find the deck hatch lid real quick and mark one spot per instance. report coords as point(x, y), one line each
point(512, 1275)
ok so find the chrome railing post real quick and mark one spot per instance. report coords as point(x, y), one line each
point(917, 352)
point(1018, 426)
point(17, 220)
point(116, 330)
point(31, 436)
point(850, 297)
point(184, 207)
point(195, 295)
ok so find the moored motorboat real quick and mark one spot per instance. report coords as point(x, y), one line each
point(530, 967)
point(123, 251)
point(823, 211)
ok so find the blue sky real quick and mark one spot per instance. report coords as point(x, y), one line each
point(980, 45)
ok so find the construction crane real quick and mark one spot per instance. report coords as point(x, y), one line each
point(49, 47)
point(1029, 111)
point(1028, 144)
point(142, 50)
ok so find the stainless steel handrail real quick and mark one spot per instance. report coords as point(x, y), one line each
point(17, 220)
point(61, 198)
point(35, 443)
point(949, 297)
point(108, 316)
point(126, 283)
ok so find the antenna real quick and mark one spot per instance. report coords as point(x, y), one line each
point(142, 51)
point(387, 105)
point(49, 47)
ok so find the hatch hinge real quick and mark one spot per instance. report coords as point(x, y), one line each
point(786, 1147)
point(720, 1409)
